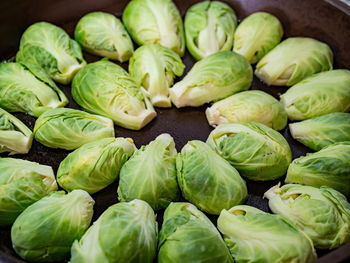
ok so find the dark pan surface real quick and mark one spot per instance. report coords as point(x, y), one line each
point(312, 18)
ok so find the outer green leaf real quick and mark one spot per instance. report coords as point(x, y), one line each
point(125, 232)
point(22, 183)
point(69, 129)
point(154, 67)
point(21, 91)
point(322, 214)
point(49, 47)
point(104, 35)
point(319, 94)
point(256, 151)
point(293, 60)
point(322, 131)
point(213, 78)
point(209, 28)
point(255, 236)
point(94, 165)
point(207, 180)
point(45, 231)
point(150, 174)
point(329, 166)
point(187, 235)
point(15, 136)
point(256, 35)
point(155, 22)
point(248, 106)
point(107, 89)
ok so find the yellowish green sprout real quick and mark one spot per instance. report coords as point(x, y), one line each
point(22, 183)
point(106, 89)
point(213, 78)
point(48, 47)
point(155, 22)
point(104, 35)
point(21, 91)
point(255, 236)
point(319, 94)
point(209, 28)
point(248, 106)
point(125, 232)
point(68, 129)
point(154, 67)
point(207, 180)
point(322, 214)
point(293, 60)
point(329, 166)
point(187, 235)
point(256, 35)
point(15, 136)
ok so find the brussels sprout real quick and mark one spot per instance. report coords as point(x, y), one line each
point(154, 67)
point(209, 28)
point(329, 167)
point(319, 94)
point(22, 183)
point(21, 91)
point(150, 174)
point(255, 236)
point(258, 152)
point(125, 232)
point(49, 47)
point(107, 89)
point(213, 78)
point(293, 60)
point(207, 180)
point(318, 132)
point(187, 235)
point(104, 35)
point(45, 231)
point(155, 22)
point(322, 214)
point(257, 35)
point(69, 129)
point(94, 165)
point(15, 136)
point(248, 106)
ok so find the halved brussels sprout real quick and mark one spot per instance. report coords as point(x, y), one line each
point(94, 165)
point(15, 136)
point(213, 78)
point(155, 22)
point(69, 129)
point(258, 152)
point(22, 183)
point(256, 35)
point(107, 89)
point(125, 232)
point(322, 214)
point(209, 28)
point(293, 60)
point(329, 167)
point(248, 106)
point(45, 231)
point(207, 180)
point(21, 91)
point(187, 235)
point(255, 236)
point(154, 67)
point(49, 47)
point(318, 132)
point(150, 174)
point(319, 94)
point(104, 35)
